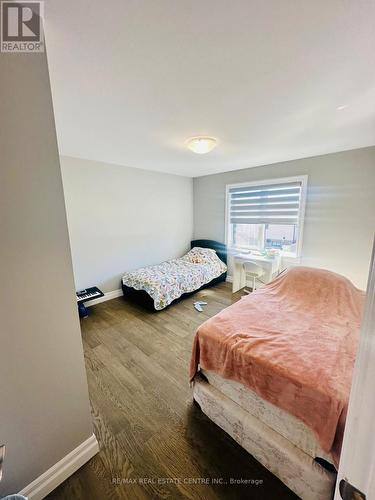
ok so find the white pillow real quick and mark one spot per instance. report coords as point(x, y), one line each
point(198, 255)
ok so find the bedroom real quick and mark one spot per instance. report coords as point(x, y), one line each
point(285, 94)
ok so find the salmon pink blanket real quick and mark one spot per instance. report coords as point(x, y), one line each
point(293, 342)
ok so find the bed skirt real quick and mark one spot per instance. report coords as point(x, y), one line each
point(301, 473)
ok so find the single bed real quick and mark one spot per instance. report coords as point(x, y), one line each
point(274, 371)
point(157, 287)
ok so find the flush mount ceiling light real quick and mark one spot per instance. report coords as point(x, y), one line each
point(343, 106)
point(201, 145)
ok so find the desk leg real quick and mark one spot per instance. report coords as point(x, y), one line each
point(239, 277)
point(267, 275)
point(236, 278)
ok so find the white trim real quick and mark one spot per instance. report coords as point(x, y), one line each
point(107, 296)
point(226, 217)
point(49, 480)
point(229, 279)
point(279, 180)
point(301, 216)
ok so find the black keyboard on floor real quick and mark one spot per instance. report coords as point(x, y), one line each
point(89, 294)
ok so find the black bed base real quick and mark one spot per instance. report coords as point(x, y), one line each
point(142, 298)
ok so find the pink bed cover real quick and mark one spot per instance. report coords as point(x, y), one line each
point(293, 342)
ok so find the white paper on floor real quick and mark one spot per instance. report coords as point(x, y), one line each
point(198, 305)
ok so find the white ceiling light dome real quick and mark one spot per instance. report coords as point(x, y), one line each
point(201, 144)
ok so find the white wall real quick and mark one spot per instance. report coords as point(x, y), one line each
point(340, 209)
point(44, 406)
point(123, 218)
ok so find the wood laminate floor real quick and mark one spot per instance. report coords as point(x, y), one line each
point(155, 443)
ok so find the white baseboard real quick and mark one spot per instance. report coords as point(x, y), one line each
point(107, 296)
point(49, 480)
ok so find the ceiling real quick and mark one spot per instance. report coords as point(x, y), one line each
point(132, 80)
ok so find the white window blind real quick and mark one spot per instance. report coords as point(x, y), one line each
point(265, 204)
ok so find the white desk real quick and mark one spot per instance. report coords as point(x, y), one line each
point(271, 266)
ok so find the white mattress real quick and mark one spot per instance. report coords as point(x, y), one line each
point(282, 422)
point(301, 473)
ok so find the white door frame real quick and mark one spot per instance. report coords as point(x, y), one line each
point(357, 463)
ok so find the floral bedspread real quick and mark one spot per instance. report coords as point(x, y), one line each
point(167, 281)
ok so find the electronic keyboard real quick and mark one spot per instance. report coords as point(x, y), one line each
point(89, 294)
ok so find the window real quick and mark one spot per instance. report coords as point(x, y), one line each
point(267, 214)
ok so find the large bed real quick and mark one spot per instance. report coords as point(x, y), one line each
point(157, 287)
point(274, 371)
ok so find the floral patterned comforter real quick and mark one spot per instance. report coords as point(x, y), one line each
point(168, 281)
